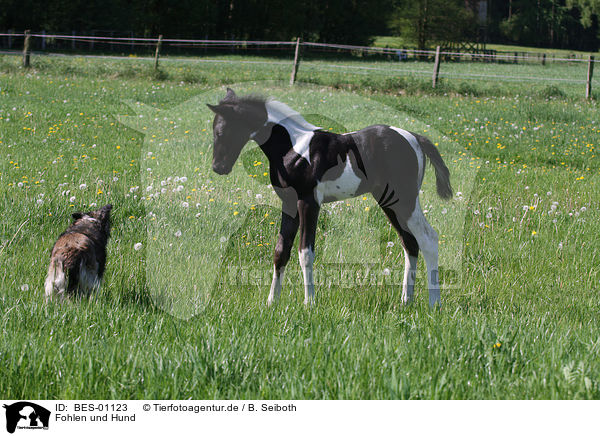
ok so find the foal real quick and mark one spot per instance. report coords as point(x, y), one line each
point(309, 167)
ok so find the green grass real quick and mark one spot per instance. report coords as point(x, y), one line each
point(185, 317)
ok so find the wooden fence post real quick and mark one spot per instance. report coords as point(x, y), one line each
point(296, 61)
point(590, 73)
point(26, 46)
point(436, 66)
point(157, 54)
point(544, 59)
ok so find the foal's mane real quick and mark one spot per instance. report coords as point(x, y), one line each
point(277, 111)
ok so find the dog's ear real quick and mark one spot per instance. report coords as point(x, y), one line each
point(104, 212)
point(77, 216)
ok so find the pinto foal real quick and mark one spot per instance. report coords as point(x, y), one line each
point(309, 167)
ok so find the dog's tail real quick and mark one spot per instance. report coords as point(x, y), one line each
point(442, 174)
point(56, 280)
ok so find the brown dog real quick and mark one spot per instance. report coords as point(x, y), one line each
point(79, 256)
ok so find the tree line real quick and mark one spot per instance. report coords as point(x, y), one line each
point(569, 24)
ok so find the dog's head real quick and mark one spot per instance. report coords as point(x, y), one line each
point(99, 219)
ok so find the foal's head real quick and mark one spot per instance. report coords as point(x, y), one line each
point(236, 120)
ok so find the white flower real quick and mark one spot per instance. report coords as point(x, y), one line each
point(560, 245)
point(549, 193)
point(25, 287)
point(82, 186)
point(583, 209)
point(444, 211)
point(386, 272)
point(20, 184)
point(115, 179)
point(137, 246)
point(390, 244)
point(183, 179)
point(488, 215)
point(259, 196)
point(72, 199)
point(476, 212)
point(40, 201)
point(178, 233)
point(223, 239)
point(185, 204)
point(525, 207)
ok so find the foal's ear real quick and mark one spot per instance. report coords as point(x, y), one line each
point(230, 95)
point(225, 110)
point(77, 215)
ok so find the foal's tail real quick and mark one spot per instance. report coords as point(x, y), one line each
point(442, 174)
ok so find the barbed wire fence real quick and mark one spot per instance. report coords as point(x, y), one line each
point(312, 56)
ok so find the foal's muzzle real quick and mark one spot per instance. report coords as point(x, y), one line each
point(221, 169)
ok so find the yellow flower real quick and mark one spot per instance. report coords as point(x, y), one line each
point(235, 212)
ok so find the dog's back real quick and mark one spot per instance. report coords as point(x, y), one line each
point(79, 255)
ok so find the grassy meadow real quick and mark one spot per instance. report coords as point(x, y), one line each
point(185, 316)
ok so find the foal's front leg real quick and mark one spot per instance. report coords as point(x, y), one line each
point(308, 210)
point(283, 247)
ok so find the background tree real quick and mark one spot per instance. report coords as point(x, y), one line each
point(433, 21)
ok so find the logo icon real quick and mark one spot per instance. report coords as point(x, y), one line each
point(26, 415)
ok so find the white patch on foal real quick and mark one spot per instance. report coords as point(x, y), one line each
point(300, 130)
point(341, 188)
point(416, 147)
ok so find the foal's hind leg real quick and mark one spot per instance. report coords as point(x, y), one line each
point(427, 238)
point(411, 254)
